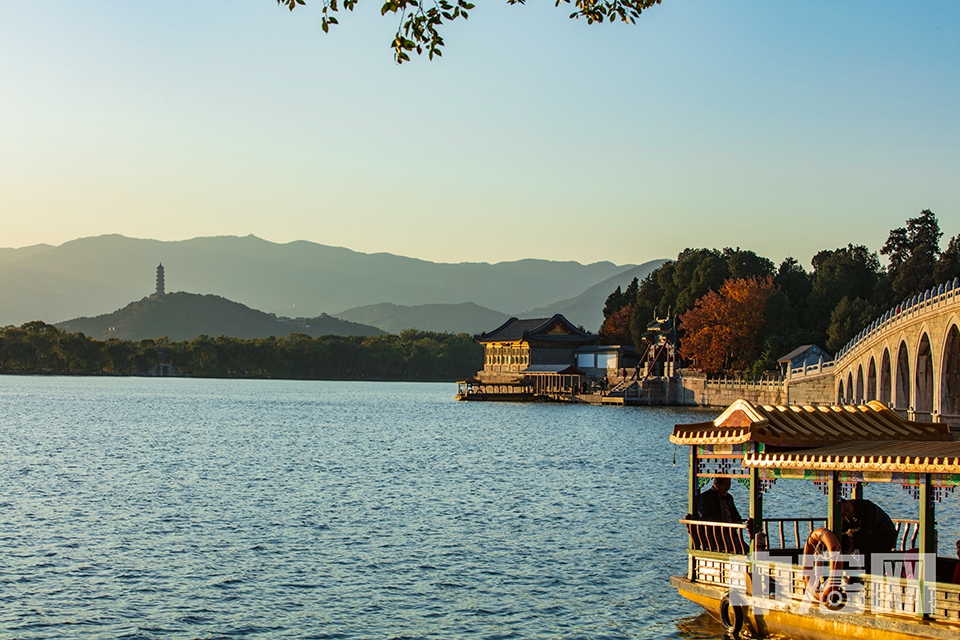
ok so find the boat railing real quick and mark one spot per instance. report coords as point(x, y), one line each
point(723, 537)
point(947, 602)
point(907, 533)
point(778, 532)
point(792, 533)
point(898, 595)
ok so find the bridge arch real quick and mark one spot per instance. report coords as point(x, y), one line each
point(923, 380)
point(871, 393)
point(858, 395)
point(849, 397)
point(901, 399)
point(840, 396)
point(885, 377)
point(950, 375)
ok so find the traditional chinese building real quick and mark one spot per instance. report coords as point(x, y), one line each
point(517, 345)
point(533, 357)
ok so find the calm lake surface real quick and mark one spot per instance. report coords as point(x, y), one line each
point(179, 508)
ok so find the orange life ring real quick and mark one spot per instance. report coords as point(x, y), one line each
point(823, 543)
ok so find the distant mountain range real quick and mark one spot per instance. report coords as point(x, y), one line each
point(450, 318)
point(184, 316)
point(12, 255)
point(92, 276)
point(585, 310)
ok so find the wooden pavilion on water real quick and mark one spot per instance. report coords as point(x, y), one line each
point(527, 359)
point(771, 574)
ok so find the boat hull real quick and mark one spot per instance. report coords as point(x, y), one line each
point(814, 625)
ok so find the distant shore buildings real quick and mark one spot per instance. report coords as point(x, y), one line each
point(550, 359)
point(543, 357)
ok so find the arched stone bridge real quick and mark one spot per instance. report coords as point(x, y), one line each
point(908, 358)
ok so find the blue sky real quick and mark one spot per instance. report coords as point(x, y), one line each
point(781, 127)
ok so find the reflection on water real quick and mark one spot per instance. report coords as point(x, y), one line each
point(700, 627)
point(207, 508)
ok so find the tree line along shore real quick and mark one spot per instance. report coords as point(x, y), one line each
point(736, 312)
point(40, 348)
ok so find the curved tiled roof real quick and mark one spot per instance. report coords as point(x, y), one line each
point(807, 426)
point(536, 329)
point(880, 457)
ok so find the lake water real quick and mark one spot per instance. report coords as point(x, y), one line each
point(179, 508)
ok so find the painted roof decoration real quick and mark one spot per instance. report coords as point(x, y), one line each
point(554, 329)
point(807, 426)
point(878, 457)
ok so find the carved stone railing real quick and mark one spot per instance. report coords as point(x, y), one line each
point(906, 309)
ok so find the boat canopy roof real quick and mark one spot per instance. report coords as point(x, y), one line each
point(808, 426)
point(881, 457)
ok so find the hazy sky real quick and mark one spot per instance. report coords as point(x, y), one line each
point(784, 127)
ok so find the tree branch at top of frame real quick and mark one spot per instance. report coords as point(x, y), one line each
point(421, 20)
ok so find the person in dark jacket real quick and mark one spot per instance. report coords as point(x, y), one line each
point(867, 527)
point(716, 504)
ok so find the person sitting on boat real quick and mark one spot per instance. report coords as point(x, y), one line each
point(867, 527)
point(716, 504)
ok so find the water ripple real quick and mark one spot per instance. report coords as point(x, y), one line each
point(138, 508)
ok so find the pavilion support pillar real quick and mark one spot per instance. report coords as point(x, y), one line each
point(693, 498)
point(928, 538)
point(834, 515)
point(756, 511)
point(858, 491)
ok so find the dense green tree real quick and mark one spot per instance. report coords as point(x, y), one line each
point(913, 252)
point(630, 294)
point(697, 272)
point(413, 355)
point(11, 346)
point(613, 303)
point(650, 294)
point(851, 272)
point(145, 356)
point(38, 348)
point(620, 299)
point(795, 283)
point(846, 319)
point(675, 287)
point(73, 350)
point(948, 266)
point(119, 356)
point(743, 264)
point(421, 21)
point(617, 313)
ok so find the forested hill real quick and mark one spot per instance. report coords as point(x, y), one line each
point(184, 316)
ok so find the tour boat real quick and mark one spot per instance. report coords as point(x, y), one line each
point(770, 575)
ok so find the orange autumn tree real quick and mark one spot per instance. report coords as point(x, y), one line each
point(616, 328)
point(723, 328)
